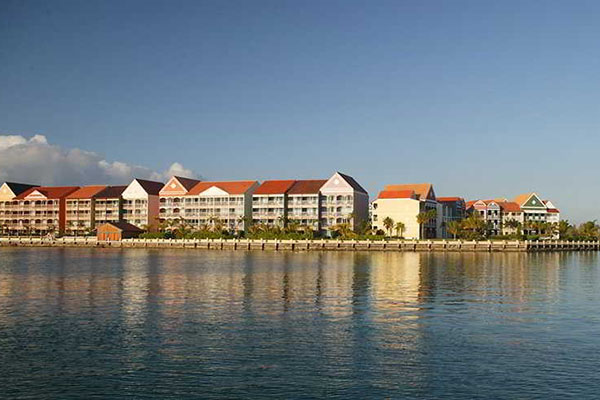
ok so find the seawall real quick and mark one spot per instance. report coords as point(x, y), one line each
point(307, 245)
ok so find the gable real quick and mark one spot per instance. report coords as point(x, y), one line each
point(6, 192)
point(135, 191)
point(173, 188)
point(214, 191)
point(534, 202)
point(337, 184)
point(494, 206)
point(36, 195)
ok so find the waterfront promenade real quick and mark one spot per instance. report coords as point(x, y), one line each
point(307, 245)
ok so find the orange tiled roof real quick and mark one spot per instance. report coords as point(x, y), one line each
point(51, 192)
point(449, 199)
point(231, 187)
point(307, 186)
point(522, 198)
point(86, 192)
point(509, 206)
point(422, 190)
point(397, 194)
point(275, 187)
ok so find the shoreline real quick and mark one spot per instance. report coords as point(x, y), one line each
point(308, 245)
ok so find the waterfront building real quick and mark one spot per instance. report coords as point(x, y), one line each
point(40, 210)
point(172, 198)
point(269, 202)
point(227, 204)
point(303, 203)
point(453, 209)
point(403, 203)
point(9, 217)
point(141, 203)
point(344, 201)
point(81, 215)
point(108, 205)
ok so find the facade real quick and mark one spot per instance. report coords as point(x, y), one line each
point(506, 217)
point(208, 204)
point(343, 200)
point(81, 214)
point(402, 203)
point(269, 203)
point(453, 209)
point(10, 215)
point(108, 205)
point(303, 203)
point(141, 203)
point(38, 210)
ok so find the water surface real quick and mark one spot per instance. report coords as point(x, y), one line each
point(143, 323)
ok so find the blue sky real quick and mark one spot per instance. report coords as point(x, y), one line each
point(481, 98)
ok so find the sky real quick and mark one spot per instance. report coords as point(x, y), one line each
point(483, 99)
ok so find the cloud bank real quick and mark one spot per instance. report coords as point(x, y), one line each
point(34, 160)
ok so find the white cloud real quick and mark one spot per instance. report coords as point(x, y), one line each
point(36, 161)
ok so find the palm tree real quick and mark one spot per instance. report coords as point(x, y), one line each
point(423, 218)
point(400, 229)
point(454, 227)
point(564, 227)
point(388, 224)
point(513, 224)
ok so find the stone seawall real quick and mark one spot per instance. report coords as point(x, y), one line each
point(307, 245)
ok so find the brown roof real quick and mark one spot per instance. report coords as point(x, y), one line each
point(522, 198)
point(421, 189)
point(352, 182)
point(51, 192)
point(151, 187)
point(509, 206)
point(187, 183)
point(275, 187)
point(397, 194)
point(86, 192)
point(111, 192)
point(122, 226)
point(231, 187)
point(307, 186)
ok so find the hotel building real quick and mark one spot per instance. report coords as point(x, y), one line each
point(141, 203)
point(81, 210)
point(344, 200)
point(303, 202)
point(402, 203)
point(206, 204)
point(269, 202)
point(108, 205)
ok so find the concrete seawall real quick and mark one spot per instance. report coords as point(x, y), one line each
point(307, 245)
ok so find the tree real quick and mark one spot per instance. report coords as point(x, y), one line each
point(514, 225)
point(474, 227)
point(455, 228)
point(388, 223)
point(589, 230)
point(424, 217)
point(400, 227)
point(564, 229)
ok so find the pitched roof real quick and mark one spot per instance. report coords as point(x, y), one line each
point(509, 206)
point(123, 226)
point(231, 187)
point(449, 199)
point(51, 192)
point(522, 198)
point(397, 194)
point(18, 188)
point(86, 192)
point(307, 186)
point(553, 210)
point(111, 192)
point(151, 187)
point(352, 182)
point(275, 187)
point(187, 183)
point(422, 190)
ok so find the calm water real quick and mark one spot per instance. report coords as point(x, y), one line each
point(86, 323)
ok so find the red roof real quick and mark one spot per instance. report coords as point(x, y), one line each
point(51, 192)
point(86, 192)
point(231, 187)
point(307, 186)
point(553, 210)
point(449, 199)
point(397, 194)
point(275, 187)
point(510, 206)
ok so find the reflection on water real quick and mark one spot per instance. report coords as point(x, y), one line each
point(78, 323)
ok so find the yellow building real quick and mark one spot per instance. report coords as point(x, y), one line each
point(402, 203)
